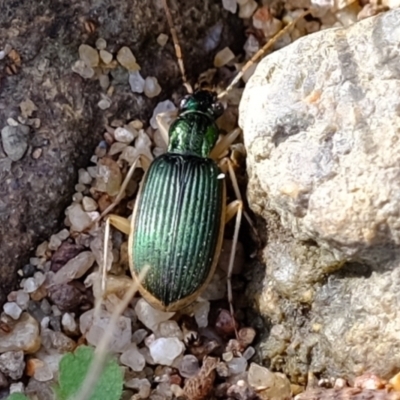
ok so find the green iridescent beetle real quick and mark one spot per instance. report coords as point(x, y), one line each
point(180, 212)
point(177, 226)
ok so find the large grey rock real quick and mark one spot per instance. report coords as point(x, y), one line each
point(34, 191)
point(321, 125)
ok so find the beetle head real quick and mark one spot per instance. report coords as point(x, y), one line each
point(203, 101)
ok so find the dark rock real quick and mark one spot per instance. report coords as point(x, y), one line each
point(64, 253)
point(68, 124)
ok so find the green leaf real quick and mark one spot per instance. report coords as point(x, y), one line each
point(17, 396)
point(73, 370)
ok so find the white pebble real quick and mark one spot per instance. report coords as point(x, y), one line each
point(139, 336)
point(237, 365)
point(165, 350)
point(163, 106)
point(83, 70)
point(126, 58)
point(162, 39)
point(133, 358)
point(78, 218)
point(106, 56)
point(247, 10)
point(230, 5)
point(151, 87)
point(54, 242)
point(13, 310)
point(30, 285)
point(101, 44)
point(223, 57)
point(63, 234)
point(123, 135)
point(202, 308)
point(136, 82)
point(149, 316)
point(89, 204)
point(104, 103)
point(43, 373)
point(68, 322)
point(189, 366)
point(169, 329)
point(22, 299)
point(74, 268)
point(84, 177)
point(17, 388)
point(249, 352)
point(89, 55)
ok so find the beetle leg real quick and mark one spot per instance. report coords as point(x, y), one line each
point(236, 207)
point(224, 144)
point(226, 166)
point(124, 226)
point(145, 163)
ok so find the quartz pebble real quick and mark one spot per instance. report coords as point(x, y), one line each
point(164, 351)
point(12, 364)
point(101, 44)
point(136, 82)
point(54, 242)
point(104, 103)
point(169, 329)
point(43, 373)
point(142, 385)
point(116, 148)
point(89, 204)
point(104, 81)
point(124, 135)
point(151, 87)
point(89, 55)
point(139, 336)
point(23, 335)
point(15, 141)
point(133, 358)
point(223, 57)
point(17, 388)
point(95, 330)
point(269, 385)
point(247, 10)
point(22, 299)
point(78, 218)
point(249, 352)
point(30, 285)
point(162, 39)
point(126, 58)
point(12, 309)
point(230, 5)
point(202, 308)
point(84, 177)
point(105, 56)
point(189, 366)
point(237, 365)
point(68, 323)
point(27, 108)
point(83, 70)
point(149, 316)
point(74, 268)
point(162, 107)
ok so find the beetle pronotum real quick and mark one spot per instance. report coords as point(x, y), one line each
point(180, 212)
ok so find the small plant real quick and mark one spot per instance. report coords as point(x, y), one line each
point(17, 396)
point(73, 369)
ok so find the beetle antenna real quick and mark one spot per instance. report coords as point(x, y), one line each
point(260, 53)
point(178, 50)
